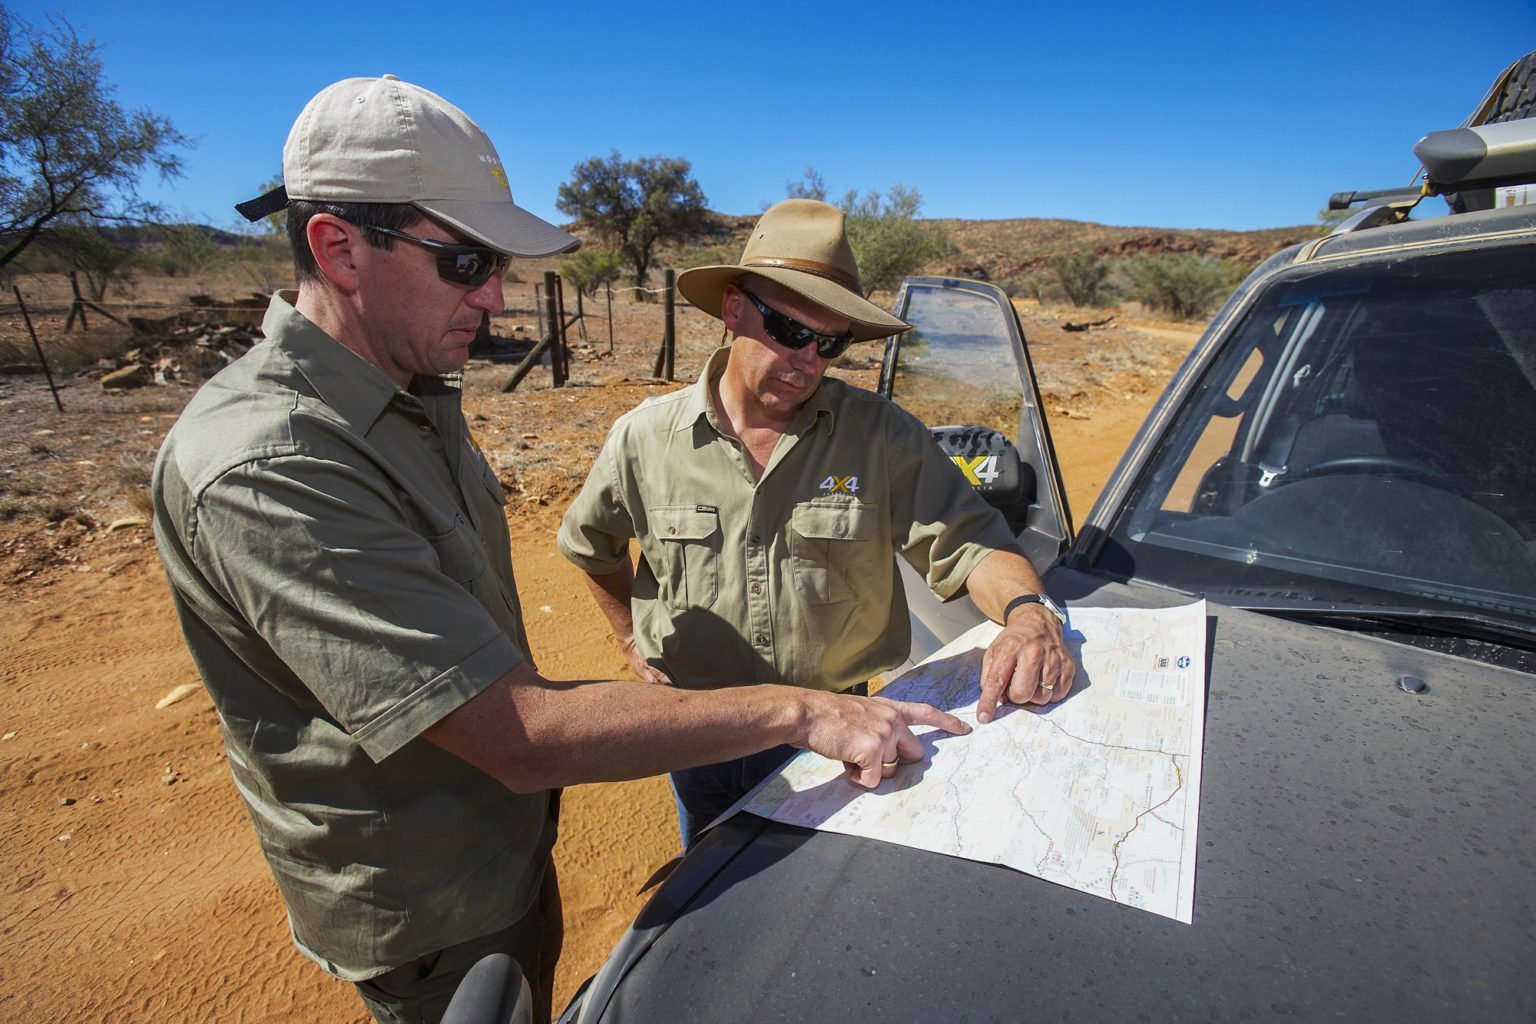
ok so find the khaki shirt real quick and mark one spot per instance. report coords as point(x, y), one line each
point(339, 560)
point(791, 578)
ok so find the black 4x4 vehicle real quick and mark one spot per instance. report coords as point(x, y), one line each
point(1345, 468)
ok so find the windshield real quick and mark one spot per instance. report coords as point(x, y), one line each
point(1365, 437)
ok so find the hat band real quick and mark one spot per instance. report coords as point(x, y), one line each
point(835, 274)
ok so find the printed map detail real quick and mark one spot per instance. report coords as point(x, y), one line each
point(1100, 792)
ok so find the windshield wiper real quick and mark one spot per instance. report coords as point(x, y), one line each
point(1419, 621)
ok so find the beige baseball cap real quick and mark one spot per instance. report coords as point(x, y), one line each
point(381, 140)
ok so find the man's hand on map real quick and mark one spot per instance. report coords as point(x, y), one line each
point(871, 735)
point(1027, 663)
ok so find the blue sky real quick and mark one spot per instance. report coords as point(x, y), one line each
point(1234, 115)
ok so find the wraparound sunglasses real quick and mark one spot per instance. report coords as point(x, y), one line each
point(793, 334)
point(468, 265)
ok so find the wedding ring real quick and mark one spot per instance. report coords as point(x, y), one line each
point(890, 764)
point(1047, 687)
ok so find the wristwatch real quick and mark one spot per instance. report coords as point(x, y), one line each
point(1042, 599)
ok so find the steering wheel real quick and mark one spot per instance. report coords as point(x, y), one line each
point(1370, 465)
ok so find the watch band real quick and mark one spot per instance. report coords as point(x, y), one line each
point(1040, 599)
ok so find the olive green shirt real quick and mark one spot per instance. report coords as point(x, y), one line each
point(339, 560)
point(791, 578)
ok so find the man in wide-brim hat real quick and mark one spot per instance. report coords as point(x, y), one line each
point(337, 550)
point(769, 500)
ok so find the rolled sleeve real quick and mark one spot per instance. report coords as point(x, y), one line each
point(596, 530)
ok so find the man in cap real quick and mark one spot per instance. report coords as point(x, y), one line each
point(337, 553)
point(768, 502)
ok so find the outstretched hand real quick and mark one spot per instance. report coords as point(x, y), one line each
point(872, 735)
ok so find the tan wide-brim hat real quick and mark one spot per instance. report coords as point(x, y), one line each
point(381, 140)
point(801, 244)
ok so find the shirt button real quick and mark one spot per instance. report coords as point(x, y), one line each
point(756, 539)
point(761, 639)
point(757, 588)
point(671, 529)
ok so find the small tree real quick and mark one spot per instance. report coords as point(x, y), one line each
point(273, 223)
point(98, 258)
point(1084, 276)
point(635, 204)
point(69, 154)
point(887, 239)
point(590, 269)
point(187, 249)
point(1182, 284)
point(1329, 219)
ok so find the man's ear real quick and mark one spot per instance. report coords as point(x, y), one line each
point(337, 247)
point(730, 306)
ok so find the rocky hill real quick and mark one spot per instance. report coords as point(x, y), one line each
point(1010, 250)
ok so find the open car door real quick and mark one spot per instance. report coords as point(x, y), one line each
point(965, 372)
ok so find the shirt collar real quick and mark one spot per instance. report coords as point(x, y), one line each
point(700, 400)
point(354, 388)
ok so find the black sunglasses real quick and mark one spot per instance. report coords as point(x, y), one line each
point(469, 265)
point(793, 334)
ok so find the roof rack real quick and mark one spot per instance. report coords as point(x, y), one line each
point(1489, 161)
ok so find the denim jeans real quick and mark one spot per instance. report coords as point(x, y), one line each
point(708, 791)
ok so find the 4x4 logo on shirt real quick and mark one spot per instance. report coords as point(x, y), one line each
point(840, 485)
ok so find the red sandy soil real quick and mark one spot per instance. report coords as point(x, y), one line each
point(136, 889)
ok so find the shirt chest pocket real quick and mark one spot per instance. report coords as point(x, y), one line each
point(690, 545)
point(460, 555)
point(833, 550)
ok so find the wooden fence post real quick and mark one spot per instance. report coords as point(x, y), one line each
point(664, 358)
point(38, 346)
point(608, 286)
point(554, 332)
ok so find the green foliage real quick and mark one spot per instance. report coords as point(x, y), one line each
point(888, 240)
point(1084, 276)
point(1327, 219)
point(273, 223)
point(810, 186)
point(635, 204)
point(69, 154)
point(265, 260)
point(590, 269)
point(1183, 285)
point(99, 261)
point(186, 249)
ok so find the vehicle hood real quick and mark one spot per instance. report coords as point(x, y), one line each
point(1364, 854)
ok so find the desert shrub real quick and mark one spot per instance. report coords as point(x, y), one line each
point(186, 249)
point(265, 261)
point(1084, 276)
point(1183, 285)
point(590, 269)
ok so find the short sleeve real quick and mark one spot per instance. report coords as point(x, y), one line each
point(596, 530)
point(371, 612)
